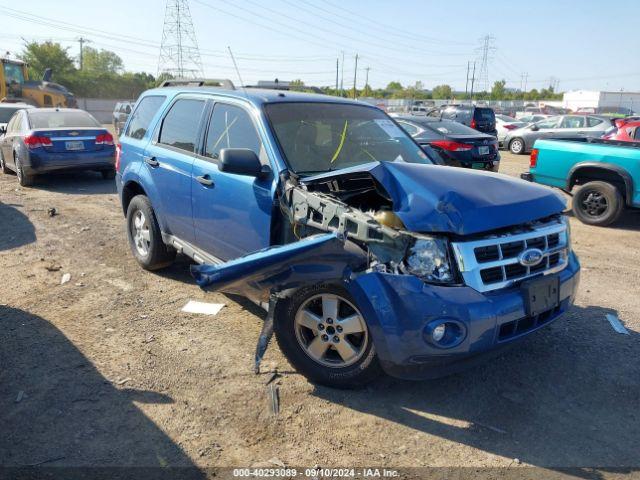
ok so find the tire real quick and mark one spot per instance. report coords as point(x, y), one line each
point(108, 174)
point(296, 330)
point(517, 146)
point(24, 179)
point(145, 238)
point(598, 203)
point(3, 165)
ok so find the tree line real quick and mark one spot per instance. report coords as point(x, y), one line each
point(103, 76)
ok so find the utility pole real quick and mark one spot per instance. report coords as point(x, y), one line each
point(366, 82)
point(82, 41)
point(526, 76)
point(473, 80)
point(342, 75)
point(179, 52)
point(337, 68)
point(355, 77)
point(466, 85)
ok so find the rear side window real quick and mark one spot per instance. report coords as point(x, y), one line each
point(181, 125)
point(231, 127)
point(144, 113)
point(592, 121)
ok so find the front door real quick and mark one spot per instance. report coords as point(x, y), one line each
point(169, 161)
point(231, 213)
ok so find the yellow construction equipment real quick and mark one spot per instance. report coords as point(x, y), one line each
point(15, 86)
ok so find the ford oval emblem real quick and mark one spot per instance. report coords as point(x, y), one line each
point(530, 257)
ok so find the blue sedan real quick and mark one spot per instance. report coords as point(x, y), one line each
point(44, 140)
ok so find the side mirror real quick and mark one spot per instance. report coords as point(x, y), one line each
point(534, 128)
point(242, 161)
point(3, 130)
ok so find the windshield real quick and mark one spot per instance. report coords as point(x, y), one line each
point(319, 137)
point(62, 119)
point(7, 113)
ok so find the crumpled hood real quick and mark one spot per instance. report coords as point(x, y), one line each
point(433, 198)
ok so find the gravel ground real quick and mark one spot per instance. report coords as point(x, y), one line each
point(105, 370)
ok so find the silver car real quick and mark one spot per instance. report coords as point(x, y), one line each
point(561, 126)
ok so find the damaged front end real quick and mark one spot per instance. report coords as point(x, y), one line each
point(398, 237)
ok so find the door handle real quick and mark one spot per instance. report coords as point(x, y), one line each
point(205, 180)
point(151, 161)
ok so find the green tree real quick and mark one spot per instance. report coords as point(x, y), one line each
point(498, 92)
point(394, 86)
point(442, 92)
point(41, 56)
point(101, 61)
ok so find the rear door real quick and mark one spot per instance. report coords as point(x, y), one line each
point(571, 126)
point(168, 161)
point(231, 213)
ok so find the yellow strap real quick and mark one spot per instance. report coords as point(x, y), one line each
point(343, 136)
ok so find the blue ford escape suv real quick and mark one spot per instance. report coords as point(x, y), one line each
point(367, 255)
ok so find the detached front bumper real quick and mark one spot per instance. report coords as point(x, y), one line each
point(399, 308)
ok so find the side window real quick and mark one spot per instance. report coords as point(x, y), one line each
point(592, 121)
point(15, 123)
point(637, 134)
point(127, 109)
point(181, 125)
point(410, 129)
point(142, 116)
point(231, 127)
point(449, 114)
point(572, 121)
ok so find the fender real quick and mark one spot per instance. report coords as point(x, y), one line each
point(628, 181)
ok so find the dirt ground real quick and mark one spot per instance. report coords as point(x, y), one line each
point(106, 370)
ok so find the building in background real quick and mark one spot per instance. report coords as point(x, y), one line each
point(601, 102)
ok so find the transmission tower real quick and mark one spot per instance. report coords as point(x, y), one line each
point(485, 53)
point(179, 53)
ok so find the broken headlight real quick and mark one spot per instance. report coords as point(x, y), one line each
point(428, 258)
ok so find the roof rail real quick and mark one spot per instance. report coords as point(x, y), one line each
point(199, 82)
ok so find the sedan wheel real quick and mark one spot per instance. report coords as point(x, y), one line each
point(516, 146)
point(331, 330)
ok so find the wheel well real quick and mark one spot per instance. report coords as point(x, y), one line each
point(130, 190)
point(589, 174)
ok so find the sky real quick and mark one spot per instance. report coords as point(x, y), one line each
point(576, 44)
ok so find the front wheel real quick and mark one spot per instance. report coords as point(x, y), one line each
point(598, 203)
point(325, 337)
point(516, 146)
point(145, 238)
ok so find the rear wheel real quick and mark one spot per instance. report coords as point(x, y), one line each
point(598, 203)
point(145, 238)
point(326, 338)
point(24, 179)
point(517, 146)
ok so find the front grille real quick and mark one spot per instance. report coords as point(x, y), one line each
point(493, 263)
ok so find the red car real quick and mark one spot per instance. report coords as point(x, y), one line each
point(625, 130)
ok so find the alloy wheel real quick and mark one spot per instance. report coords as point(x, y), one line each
point(331, 330)
point(516, 146)
point(141, 235)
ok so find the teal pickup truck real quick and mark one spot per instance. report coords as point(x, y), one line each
point(605, 175)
